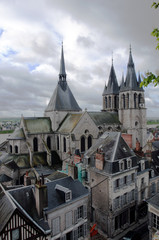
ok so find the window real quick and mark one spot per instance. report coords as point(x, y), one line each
point(49, 142)
point(68, 219)
point(106, 102)
point(83, 144)
point(142, 181)
point(80, 212)
point(121, 165)
point(155, 221)
point(89, 141)
point(56, 226)
point(109, 102)
point(64, 144)
point(132, 177)
point(117, 183)
point(133, 195)
point(125, 198)
point(153, 188)
point(16, 149)
point(123, 101)
point(129, 163)
point(15, 234)
point(116, 205)
point(10, 148)
point(80, 231)
point(35, 144)
point(125, 180)
point(135, 100)
point(127, 100)
point(68, 196)
point(58, 144)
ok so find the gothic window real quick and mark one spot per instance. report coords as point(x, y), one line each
point(16, 149)
point(10, 148)
point(58, 144)
point(115, 101)
point(109, 102)
point(35, 144)
point(64, 144)
point(106, 102)
point(140, 99)
point(83, 144)
point(127, 100)
point(135, 99)
point(123, 101)
point(89, 141)
point(49, 142)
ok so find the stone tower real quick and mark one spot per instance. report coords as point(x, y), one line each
point(62, 100)
point(132, 111)
point(111, 93)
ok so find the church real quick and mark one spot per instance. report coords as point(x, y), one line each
point(66, 130)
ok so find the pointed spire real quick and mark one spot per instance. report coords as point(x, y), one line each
point(62, 74)
point(112, 87)
point(122, 82)
point(130, 62)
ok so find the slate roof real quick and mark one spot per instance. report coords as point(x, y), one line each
point(100, 118)
point(18, 134)
point(155, 144)
point(24, 199)
point(131, 82)
point(69, 122)
point(7, 208)
point(112, 87)
point(38, 125)
point(56, 175)
point(5, 178)
point(154, 201)
point(114, 148)
point(62, 98)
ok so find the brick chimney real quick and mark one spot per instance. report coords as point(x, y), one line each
point(41, 196)
point(27, 180)
point(137, 145)
point(99, 159)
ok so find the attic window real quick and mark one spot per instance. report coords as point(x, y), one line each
point(129, 163)
point(124, 149)
point(64, 192)
point(121, 166)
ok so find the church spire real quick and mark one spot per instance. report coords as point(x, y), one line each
point(112, 87)
point(62, 74)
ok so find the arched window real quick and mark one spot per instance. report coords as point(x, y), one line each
point(49, 142)
point(109, 102)
point(123, 101)
point(89, 141)
point(16, 149)
point(10, 148)
point(83, 148)
point(140, 99)
point(127, 100)
point(64, 144)
point(35, 144)
point(106, 102)
point(115, 101)
point(135, 98)
point(58, 143)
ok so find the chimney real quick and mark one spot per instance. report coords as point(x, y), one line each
point(27, 180)
point(41, 197)
point(137, 145)
point(72, 171)
point(99, 159)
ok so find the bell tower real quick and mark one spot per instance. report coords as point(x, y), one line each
point(132, 111)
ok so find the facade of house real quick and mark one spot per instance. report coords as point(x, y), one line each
point(58, 208)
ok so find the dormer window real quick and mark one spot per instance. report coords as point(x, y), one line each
point(129, 163)
point(64, 192)
point(121, 166)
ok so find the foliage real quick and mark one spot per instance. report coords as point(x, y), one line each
point(6, 131)
point(150, 77)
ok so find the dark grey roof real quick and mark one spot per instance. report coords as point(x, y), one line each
point(56, 175)
point(114, 148)
point(154, 201)
point(155, 144)
point(112, 87)
point(5, 178)
point(7, 208)
point(37, 125)
point(101, 118)
point(62, 98)
point(55, 200)
point(131, 82)
point(25, 198)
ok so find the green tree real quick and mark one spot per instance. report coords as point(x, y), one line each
point(150, 77)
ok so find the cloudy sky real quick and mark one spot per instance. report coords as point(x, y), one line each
point(31, 33)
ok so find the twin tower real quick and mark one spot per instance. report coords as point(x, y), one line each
point(129, 101)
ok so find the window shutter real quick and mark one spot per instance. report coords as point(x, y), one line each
point(85, 211)
point(56, 225)
point(129, 179)
point(75, 234)
point(76, 216)
point(84, 229)
point(68, 219)
point(121, 182)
